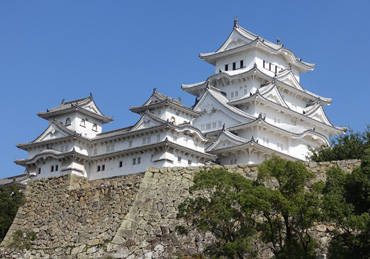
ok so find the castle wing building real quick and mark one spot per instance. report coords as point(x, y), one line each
point(252, 107)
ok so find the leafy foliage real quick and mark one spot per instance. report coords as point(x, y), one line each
point(10, 200)
point(349, 146)
point(292, 209)
point(234, 209)
point(346, 202)
point(217, 209)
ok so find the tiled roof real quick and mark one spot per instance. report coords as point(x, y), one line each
point(66, 107)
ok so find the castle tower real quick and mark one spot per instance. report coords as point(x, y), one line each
point(254, 104)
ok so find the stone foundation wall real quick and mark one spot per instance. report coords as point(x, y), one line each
point(130, 216)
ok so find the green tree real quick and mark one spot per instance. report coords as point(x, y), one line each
point(216, 208)
point(348, 146)
point(10, 200)
point(291, 209)
point(346, 202)
point(234, 209)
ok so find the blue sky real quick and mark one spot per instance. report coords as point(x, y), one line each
point(121, 50)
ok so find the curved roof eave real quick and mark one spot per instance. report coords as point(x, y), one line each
point(291, 133)
point(249, 98)
point(49, 153)
point(253, 143)
point(302, 66)
point(47, 115)
point(70, 134)
point(185, 109)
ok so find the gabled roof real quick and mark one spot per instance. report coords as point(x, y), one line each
point(280, 80)
point(285, 129)
point(241, 39)
point(294, 86)
point(159, 124)
point(328, 126)
point(86, 106)
point(158, 100)
point(163, 144)
point(55, 126)
point(223, 101)
point(147, 116)
point(252, 145)
point(228, 137)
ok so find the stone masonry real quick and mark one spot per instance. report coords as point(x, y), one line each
point(131, 216)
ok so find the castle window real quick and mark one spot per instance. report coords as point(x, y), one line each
point(189, 162)
point(120, 163)
point(179, 159)
point(241, 63)
point(234, 65)
point(226, 67)
point(52, 169)
point(134, 161)
point(39, 171)
point(98, 168)
point(56, 168)
point(68, 122)
point(103, 167)
point(110, 148)
point(138, 160)
point(276, 68)
point(173, 120)
point(270, 66)
point(95, 127)
point(82, 123)
point(264, 64)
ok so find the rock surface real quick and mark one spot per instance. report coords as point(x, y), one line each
point(132, 216)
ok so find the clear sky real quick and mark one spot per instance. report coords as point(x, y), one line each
point(121, 50)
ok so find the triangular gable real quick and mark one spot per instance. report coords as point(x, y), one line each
point(213, 99)
point(235, 40)
point(272, 93)
point(288, 78)
point(52, 132)
point(319, 115)
point(92, 107)
point(147, 121)
point(226, 139)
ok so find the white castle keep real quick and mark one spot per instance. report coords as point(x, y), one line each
point(253, 106)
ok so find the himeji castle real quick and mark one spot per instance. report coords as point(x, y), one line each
point(251, 108)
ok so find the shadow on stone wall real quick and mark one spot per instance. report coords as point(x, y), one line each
point(131, 216)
